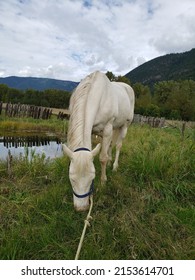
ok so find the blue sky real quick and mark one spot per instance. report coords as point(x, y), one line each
point(68, 39)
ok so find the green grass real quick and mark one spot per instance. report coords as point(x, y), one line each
point(145, 211)
point(29, 124)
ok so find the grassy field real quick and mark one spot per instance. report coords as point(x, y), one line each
point(145, 211)
point(33, 125)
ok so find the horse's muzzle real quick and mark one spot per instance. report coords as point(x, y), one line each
point(81, 208)
point(81, 204)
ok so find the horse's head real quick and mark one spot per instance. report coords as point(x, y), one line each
point(81, 175)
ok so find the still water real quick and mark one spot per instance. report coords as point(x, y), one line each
point(18, 145)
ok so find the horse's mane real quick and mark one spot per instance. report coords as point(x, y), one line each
point(77, 112)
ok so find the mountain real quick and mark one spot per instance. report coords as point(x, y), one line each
point(179, 66)
point(24, 83)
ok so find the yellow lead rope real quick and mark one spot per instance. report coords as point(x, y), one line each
point(87, 223)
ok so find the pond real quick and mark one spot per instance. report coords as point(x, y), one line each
point(21, 144)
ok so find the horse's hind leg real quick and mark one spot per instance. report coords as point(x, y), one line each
point(121, 135)
point(104, 156)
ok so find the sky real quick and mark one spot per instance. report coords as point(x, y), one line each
point(69, 39)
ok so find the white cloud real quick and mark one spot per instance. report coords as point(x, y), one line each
point(69, 39)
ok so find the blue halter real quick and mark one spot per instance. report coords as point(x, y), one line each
point(91, 190)
point(81, 149)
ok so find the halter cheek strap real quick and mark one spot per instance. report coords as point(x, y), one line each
point(92, 184)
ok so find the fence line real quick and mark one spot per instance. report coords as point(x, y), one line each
point(62, 115)
point(25, 110)
point(152, 121)
point(38, 112)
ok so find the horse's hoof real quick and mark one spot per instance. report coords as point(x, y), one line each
point(115, 167)
point(103, 181)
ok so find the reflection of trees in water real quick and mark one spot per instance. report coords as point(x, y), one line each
point(27, 141)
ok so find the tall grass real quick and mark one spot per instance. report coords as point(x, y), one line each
point(145, 211)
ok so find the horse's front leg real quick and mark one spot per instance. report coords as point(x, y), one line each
point(104, 156)
point(110, 155)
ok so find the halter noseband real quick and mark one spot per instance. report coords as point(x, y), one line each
point(92, 184)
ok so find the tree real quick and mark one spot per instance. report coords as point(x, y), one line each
point(153, 110)
point(119, 78)
point(4, 91)
point(110, 76)
point(123, 79)
point(142, 98)
point(176, 99)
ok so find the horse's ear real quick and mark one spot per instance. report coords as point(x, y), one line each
point(96, 150)
point(67, 151)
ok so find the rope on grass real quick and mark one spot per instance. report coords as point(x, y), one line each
point(86, 224)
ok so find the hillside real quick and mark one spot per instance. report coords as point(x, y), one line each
point(179, 66)
point(23, 83)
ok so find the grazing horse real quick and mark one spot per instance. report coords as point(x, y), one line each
point(104, 108)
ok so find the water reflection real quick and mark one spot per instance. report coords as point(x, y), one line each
point(49, 145)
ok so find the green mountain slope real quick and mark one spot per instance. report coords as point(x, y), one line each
point(179, 66)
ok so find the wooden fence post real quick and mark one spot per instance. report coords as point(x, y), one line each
point(183, 130)
point(9, 163)
point(1, 106)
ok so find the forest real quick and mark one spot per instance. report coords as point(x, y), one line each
point(53, 98)
point(169, 99)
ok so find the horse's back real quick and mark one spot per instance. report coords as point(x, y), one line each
point(125, 100)
point(124, 93)
point(129, 91)
point(116, 102)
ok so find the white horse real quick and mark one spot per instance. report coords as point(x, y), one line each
point(101, 107)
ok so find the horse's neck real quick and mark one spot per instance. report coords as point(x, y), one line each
point(84, 107)
point(79, 135)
